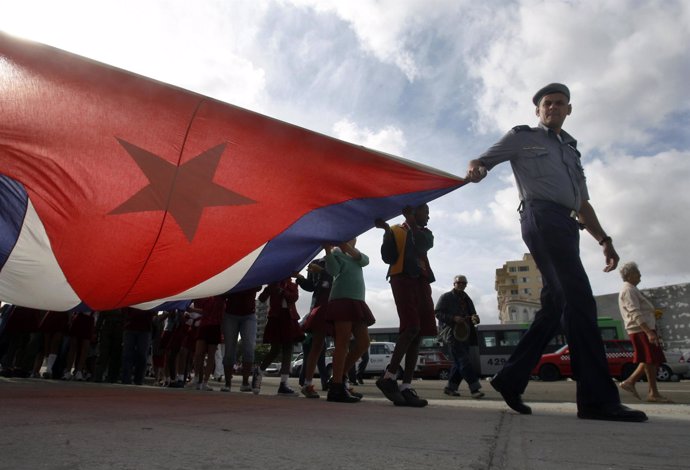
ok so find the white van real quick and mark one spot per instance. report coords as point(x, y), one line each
point(379, 357)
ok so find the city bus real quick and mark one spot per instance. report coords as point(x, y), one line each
point(497, 342)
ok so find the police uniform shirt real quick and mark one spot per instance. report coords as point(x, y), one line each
point(546, 167)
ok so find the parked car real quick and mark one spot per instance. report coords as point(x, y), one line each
point(619, 354)
point(434, 364)
point(296, 366)
point(298, 362)
point(273, 369)
point(686, 360)
point(675, 367)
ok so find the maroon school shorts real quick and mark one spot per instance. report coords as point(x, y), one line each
point(210, 334)
point(82, 326)
point(282, 329)
point(414, 304)
point(316, 321)
point(54, 322)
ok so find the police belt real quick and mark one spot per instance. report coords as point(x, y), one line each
point(553, 206)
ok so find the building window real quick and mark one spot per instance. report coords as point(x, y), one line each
point(525, 280)
point(523, 268)
point(527, 291)
point(513, 281)
point(512, 269)
point(513, 292)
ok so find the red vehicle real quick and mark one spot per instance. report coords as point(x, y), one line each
point(433, 365)
point(557, 365)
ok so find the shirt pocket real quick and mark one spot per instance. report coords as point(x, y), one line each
point(534, 161)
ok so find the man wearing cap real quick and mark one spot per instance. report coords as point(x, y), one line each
point(452, 309)
point(554, 205)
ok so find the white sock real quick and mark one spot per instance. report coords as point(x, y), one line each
point(284, 378)
point(404, 386)
point(307, 383)
point(389, 375)
point(50, 362)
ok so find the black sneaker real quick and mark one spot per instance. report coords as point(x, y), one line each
point(411, 399)
point(286, 391)
point(390, 389)
point(450, 392)
point(339, 393)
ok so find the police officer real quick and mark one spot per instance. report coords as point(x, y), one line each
point(554, 205)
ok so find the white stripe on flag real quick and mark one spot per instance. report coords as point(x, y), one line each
point(31, 276)
point(221, 282)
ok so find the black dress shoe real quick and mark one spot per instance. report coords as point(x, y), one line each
point(611, 412)
point(512, 399)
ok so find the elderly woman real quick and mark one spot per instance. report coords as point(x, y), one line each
point(638, 315)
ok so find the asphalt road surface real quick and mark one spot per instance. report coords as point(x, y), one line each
point(81, 425)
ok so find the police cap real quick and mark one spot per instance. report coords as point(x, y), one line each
point(551, 88)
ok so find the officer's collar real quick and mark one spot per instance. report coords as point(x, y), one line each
point(565, 137)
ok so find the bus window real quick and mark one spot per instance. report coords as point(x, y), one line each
point(556, 343)
point(499, 338)
point(429, 342)
point(489, 340)
point(511, 338)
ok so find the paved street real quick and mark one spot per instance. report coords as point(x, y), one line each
point(68, 425)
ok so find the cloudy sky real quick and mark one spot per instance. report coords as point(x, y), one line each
point(437, 82)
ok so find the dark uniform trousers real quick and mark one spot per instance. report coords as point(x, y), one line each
point(553, 239)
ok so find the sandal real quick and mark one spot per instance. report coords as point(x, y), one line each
point(630, 389)
point(659, 399)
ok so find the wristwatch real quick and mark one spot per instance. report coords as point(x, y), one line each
point(604, 240)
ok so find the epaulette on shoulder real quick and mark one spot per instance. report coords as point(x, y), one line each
point(523, 127)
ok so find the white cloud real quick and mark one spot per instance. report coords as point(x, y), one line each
point(389, 139)
point(200, 46)
point(505, 204)
point(380, 301)
point(388, 29)
point(464, 217)
point(625, 62)
point(643, 203)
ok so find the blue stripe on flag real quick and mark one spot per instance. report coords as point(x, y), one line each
point(293, 249)
point(13, 201)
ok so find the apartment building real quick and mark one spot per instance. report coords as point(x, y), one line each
point(518, 286)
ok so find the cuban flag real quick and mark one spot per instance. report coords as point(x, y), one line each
point(118, 190)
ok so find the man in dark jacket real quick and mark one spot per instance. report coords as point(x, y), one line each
point(452, 309)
